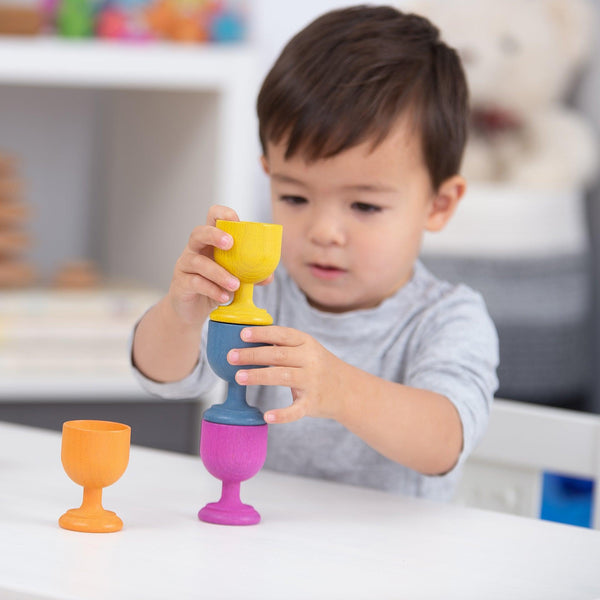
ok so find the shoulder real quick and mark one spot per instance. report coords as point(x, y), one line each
point(454, 313)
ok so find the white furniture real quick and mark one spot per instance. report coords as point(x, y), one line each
point(58, 345)
point(522, 441)
point(317, 539)
point(122, 148)
point(128, 144)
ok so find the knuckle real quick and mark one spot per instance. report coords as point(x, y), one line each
point(196, 234)
point(198, 261)
point(213, 211)
point(196, 282)
point(258, 376)
point(280, 354)
point(218, 211)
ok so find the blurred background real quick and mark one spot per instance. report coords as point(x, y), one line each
point(121, 121)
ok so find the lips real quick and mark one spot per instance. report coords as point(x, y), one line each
point(325, 271)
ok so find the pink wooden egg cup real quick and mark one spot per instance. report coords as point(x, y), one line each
point(232, 453)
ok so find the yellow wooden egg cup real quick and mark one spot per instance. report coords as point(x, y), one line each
point(254, 256)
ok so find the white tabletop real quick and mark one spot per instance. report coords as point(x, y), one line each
point(316, 540)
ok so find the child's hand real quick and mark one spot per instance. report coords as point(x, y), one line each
point(199, 284)
point(296, 360)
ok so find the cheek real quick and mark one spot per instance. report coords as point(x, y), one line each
point(384, 252)
point(290, 241)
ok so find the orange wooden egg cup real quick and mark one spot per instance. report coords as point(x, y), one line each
point(94, 455)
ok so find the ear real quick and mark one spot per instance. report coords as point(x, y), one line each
point(265, 164)
point(444, 202)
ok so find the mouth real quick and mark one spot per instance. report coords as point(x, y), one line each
point(325, 271)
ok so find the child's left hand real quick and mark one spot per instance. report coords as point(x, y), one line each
point(295, 360)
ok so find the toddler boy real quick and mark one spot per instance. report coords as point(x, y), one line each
point(362, 122)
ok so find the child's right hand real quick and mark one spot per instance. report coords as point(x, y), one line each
point(199, 284)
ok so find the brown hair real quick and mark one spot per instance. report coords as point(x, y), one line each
point(349, 75)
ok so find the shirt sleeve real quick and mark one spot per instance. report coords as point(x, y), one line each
point(456, 355)
point(200, 381)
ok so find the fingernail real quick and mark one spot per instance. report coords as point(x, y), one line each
point(233, 284)
point(246, 334)
point(233, 356)
point(241, 377)
point(269, 418)
point(224, 297)
point(226, 242)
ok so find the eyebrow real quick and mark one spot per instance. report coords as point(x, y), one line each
point(359, 187)
point(286, 179)
point(373, 187)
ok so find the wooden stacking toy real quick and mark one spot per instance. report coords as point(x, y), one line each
point(15, 271)
point(94, 454)
point(233, 439)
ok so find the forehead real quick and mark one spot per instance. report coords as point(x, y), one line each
point(399, 152)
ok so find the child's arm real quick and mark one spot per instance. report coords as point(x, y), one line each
point(417, 428)
point(167, 339)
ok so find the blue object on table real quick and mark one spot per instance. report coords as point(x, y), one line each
point(222, 337)
point(567, 500)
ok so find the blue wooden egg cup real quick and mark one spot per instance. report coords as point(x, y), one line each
point(222, 337)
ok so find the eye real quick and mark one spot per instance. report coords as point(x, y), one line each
point(293, 200)
point(364, 207)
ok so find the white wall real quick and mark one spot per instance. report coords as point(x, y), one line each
point(273, 23)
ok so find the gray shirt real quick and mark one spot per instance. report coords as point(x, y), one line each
point(430, 335)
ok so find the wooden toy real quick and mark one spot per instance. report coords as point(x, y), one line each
point(13, 241)
point(112, 24)
point(78, 274)
point(94, 454)
point(20, 20)
point(10, 186)
point(173, 20)
point(75, 18)
point(254, 256)
point(233, 438)
point(13, 214)
point(232, 453)
point(7, 164)
point(15, 271)
point(222, 337)
point(227, 26)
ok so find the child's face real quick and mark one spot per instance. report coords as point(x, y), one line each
point(352, 224)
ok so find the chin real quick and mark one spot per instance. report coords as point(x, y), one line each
point(332, 305)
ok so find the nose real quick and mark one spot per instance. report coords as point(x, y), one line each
point(327, 229)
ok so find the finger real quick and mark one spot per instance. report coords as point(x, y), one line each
point(268, 280)
point(286, 415)
point(206, 267)
point(273, 334)
point(196, 284)
point(207, 235)
point(280, 356)
point(284, 376)
point(219, 212)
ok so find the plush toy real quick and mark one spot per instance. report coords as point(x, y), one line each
point(522, 58)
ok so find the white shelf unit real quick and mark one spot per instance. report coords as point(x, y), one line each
point(122, 148)
point(134, 141)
